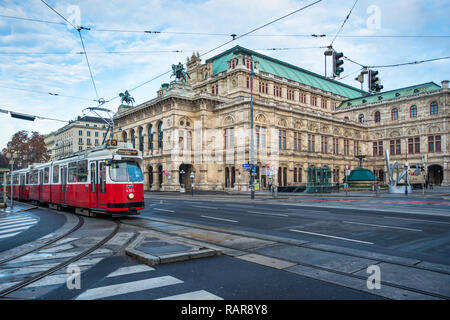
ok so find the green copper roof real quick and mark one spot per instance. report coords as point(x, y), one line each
point(388, 95)
point(361, 174)
point(285, 70)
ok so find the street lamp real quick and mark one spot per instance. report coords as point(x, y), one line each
point(252, 138)
point(182, 172)
point(192, 183)
point(11, 157)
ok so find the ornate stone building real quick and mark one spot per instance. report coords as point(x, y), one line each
point(301, 119)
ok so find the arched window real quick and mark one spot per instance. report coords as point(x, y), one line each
point(160, 134)
point(377, 116)
point(150, 137)
point(345, 118)
point(361, 118)
point(133, 138)
point(434, 108)
point(124, 136)
point(413, 111)
point(141, 139)
point(394, 114)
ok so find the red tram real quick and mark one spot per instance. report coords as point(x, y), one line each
point(107, 180)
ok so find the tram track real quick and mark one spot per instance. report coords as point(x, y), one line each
point(61, 265)
point(280, 240)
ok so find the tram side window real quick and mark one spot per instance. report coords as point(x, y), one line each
point(82, 171)
point(72, 172)
point(47, 175)
point(55, 174)
point(16, 179)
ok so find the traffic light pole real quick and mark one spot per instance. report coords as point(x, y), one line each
point(252, 138)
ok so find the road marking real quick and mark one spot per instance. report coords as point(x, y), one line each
point(129, 270)
point(194, 295)
point(16, 218)
point(228, 220)
point(382, 226)
point(165, 210)
point(17, 221)
point(15, 229)
point(206, 207)
point(269, 214)
point(128, 287)
point(9, 235)
point(417, 220)
point(328, 236)
point(17, 225)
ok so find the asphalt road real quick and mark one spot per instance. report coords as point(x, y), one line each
point(423, 237)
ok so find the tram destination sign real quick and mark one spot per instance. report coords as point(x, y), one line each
point(127, 152)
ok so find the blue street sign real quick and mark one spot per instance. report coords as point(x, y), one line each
point(253, 169)
point(246, 166)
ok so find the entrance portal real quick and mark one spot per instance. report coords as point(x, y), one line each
point(184, 178)
point(435, 174)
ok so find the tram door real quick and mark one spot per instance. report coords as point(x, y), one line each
point(98, 184)
point(41, 185)
point(22, 187)
point(93, 194)
point(63, 185)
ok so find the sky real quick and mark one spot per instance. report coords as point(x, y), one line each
point(39, 58)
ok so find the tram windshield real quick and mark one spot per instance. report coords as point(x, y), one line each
point(125, 171)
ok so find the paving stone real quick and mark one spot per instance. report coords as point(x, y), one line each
point(329, 260)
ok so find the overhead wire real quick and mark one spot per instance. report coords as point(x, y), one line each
point(342, 26)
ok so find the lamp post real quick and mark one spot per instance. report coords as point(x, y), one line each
point(11, 157)
point(182, 189)
point(192, 184)
point(252, 138)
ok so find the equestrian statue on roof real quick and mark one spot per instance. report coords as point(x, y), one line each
point(179, 73)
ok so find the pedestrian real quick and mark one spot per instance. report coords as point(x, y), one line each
point(426, 184)
point(431, 185)
point(270, 186)
point(337, 184)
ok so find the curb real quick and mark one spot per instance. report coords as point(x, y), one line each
point(151, 260)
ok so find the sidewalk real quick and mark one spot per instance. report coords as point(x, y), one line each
point(437, 192)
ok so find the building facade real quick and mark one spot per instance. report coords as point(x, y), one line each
point(301, 119)
point(80, 134)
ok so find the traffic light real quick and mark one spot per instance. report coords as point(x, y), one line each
point(337, 63)
point(374, 82)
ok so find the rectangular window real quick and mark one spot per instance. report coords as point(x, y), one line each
point(311, 143)
point(295, 174)
point(72, 172)
point(335, 146)
point(260, 136)
point(82, 171)
point(434, 144)
point(55, 174)
point(46, 175)
point(302, 97)
point(414, 145)
point(80, 132)
point(356, 147)
point(395, 147)
point(324, 103)
point(282, 139)
point(290, 94)
point(88, 133)
point(324, 144)
point(80, 140)
point(346, 147)
point(88, 141)
point(248, 82)
point(277, 91)
point(229, 138)
point(297, 141)
point(96, 133)
point(314, 101)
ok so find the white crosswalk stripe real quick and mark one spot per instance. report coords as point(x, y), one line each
point(11, 226)
point(110, 291)
point(123, 288)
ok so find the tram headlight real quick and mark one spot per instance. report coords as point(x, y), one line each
point(131, 196)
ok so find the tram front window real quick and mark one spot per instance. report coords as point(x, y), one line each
point(125, 171)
